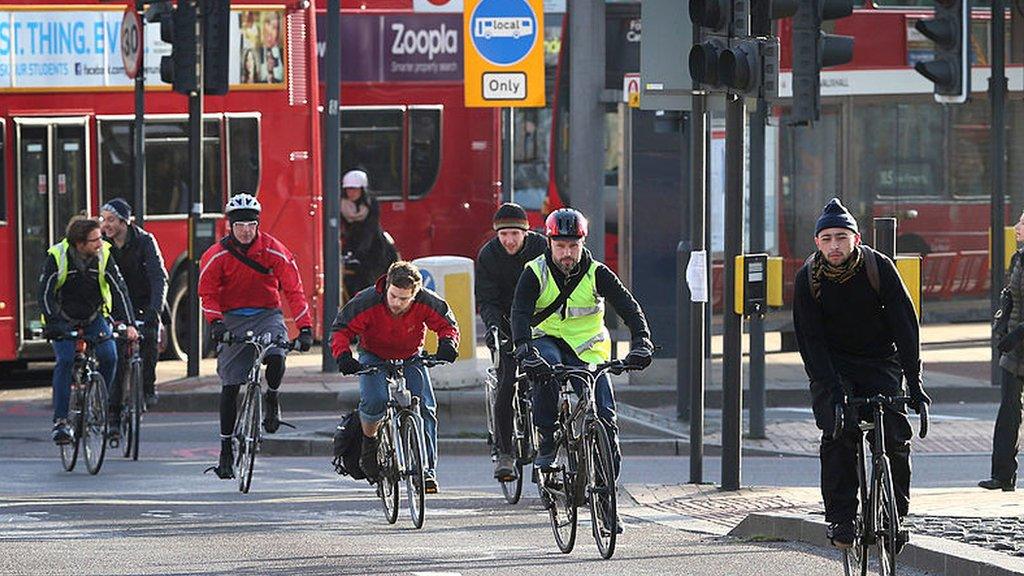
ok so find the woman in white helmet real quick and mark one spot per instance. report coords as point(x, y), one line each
point(361, 233)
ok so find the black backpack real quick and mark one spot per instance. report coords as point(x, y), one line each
point(348, 444)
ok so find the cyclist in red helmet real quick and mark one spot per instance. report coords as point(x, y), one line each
point(552, 327)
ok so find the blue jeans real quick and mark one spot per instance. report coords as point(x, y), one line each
point(545, 394)
point(106, 354)
point(373, 397)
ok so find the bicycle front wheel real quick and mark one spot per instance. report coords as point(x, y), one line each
point(131, 411)
point(560, 488)
point(412, 444)
point(94, 423)
point(69, 451)
point(246, 437)
point(522, 427)
point(604, 514)
point(855, 558)
point(387, 484)
point(887, 521)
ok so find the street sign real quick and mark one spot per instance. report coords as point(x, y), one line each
point(504, 53)
point(131, 42)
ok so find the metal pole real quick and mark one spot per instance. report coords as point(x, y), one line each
point(698, 230)
point(885, 236)
point(732, 374)
point(138, 129)
point(331, 180)
point(997, 93)
point(508, 189)
point(586, 116)
point(684, 313)
point(195, 165)
point(757, 220)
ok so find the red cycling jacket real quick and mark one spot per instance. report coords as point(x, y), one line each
point(227, 283)
point(385, 335)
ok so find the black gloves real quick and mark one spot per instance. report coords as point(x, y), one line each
point(640, 353)
point(217, 331)
point(532, 362)
point(917, 394)
point(1009, 342)
point(55, 330)
point(347, 364)
point(446, 350)
point(305, 338)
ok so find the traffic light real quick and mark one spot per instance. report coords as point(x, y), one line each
point(951, 68)
point(814, 50)
point(715, 20)
point(216, 32)
point(750, 65)
point(179, 30)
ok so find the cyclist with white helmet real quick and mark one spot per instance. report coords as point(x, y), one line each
point(240, 280)
point(361, 233)
point(558, 318)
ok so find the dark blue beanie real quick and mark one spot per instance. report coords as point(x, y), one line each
point(835, 215)
point(120, 207)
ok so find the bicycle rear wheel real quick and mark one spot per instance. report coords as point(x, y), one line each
point(855, 558)
point(94, 423)
point(887, 521)
point(131, 412)
point(245, 438)
point(387, 484)
point(412, 448)
point(560, 486)
point(604, 514)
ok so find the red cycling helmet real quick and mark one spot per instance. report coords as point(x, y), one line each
point(566, 223)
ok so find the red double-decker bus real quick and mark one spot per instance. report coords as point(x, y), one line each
point(882, 144)
point(66, 113)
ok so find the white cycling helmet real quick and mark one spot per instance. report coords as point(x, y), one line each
point(242, 201)
point(355, 179)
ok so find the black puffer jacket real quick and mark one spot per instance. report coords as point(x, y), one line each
point(497, 273)
point(142, 267)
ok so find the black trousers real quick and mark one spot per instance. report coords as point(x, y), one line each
point(148, 353)
point(1007, 432)
point(838, 456)
point(503, 403)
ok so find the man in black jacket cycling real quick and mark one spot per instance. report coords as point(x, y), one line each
point(498, 267)
point(138, 257)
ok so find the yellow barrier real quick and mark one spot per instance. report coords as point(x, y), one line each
point(1009, 243)
point(452, 278)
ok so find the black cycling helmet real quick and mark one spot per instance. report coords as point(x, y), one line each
point(566, 223)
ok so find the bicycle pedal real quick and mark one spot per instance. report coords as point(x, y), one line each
point(283, 423)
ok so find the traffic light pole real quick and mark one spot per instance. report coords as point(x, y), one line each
point(757, 225)
point(138, 129)
point(732, 376)
point(195, 165)
point(698, 199)
point(331, 181)
point(997, 94)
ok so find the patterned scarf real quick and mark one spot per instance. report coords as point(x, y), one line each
point(823, 269)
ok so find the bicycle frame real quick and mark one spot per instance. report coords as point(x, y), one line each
point(394, 375)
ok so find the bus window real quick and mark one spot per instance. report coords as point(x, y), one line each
point(898, 148)
point(424, 149)
point(167, 172)
point(531, 156)
point(243, 154)
point(371, 140)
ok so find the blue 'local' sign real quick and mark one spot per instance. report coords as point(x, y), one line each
point(503, 31)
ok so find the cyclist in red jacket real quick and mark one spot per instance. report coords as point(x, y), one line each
point(390, 319)
point(240, 280)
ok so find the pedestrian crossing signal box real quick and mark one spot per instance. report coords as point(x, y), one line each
point(758, 284)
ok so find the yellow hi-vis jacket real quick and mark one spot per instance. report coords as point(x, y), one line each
point(582, 326)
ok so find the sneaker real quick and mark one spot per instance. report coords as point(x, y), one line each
point(505, 468)
point(224, 468)
point(842, 534)
point(272, 421)
point(62, 432)
point(368, 457)
point(997, 484)
point(429, 482)
point(114, 423)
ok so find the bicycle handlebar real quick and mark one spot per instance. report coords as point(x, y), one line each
point(427, 361)
point(894, 402)
point(261, 340)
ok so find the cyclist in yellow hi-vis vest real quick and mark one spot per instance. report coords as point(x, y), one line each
point(81, 287)
point(558, 318)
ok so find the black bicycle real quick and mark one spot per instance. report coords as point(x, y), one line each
point(522, 419)
point(401, 454)
point(87, 407)
point(583, 473)
point(132, 400)
point(247, 435)
point(878, 521)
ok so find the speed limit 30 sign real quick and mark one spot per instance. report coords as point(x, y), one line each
point(131, 42)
